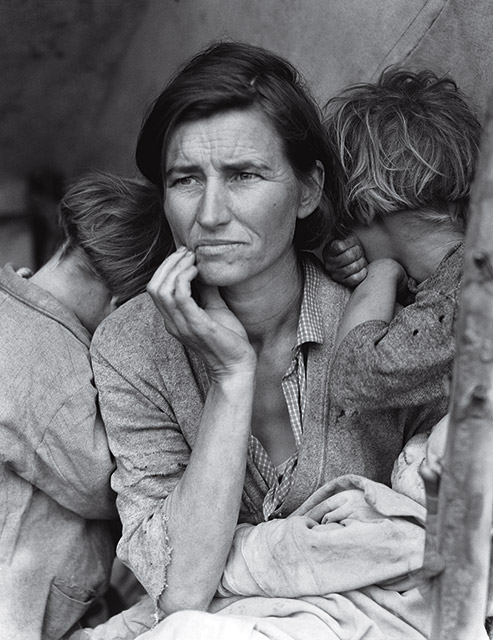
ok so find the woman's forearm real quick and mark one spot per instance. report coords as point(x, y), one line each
point(202, 510)
point(204, 506)
point(323, 547)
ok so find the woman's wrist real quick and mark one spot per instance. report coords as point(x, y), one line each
point(235, 377)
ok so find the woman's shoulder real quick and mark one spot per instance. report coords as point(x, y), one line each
point(132, 342)
point(136, 326)
point(329, 293)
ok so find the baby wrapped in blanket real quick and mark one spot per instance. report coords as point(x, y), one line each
point(344, 566)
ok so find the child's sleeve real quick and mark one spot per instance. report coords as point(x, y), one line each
point(407, 362)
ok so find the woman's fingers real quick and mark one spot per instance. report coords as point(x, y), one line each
point(165, 275)
point(165, 268)
point(183, 283)
point(336, 515)
point(320, 510)
point(210, 329)
point(163, 285)
point(171, 285)
point(340, 506)
point(171, 290)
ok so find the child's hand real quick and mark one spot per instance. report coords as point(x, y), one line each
point(345, 261)
point(24, 272)
point(431, 471)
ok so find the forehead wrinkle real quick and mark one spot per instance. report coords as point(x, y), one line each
point(224, 146)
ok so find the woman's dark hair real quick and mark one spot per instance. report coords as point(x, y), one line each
point(116, 226)
point(233, 75)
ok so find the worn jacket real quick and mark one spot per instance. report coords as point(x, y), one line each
point(55, 499)
point(152, 391)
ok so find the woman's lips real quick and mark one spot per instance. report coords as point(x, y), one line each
point(216, 248)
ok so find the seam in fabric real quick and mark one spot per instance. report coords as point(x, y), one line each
point(389, 52)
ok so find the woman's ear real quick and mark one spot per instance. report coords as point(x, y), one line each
point(312, 191)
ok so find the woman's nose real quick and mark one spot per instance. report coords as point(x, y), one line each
point(213, 208)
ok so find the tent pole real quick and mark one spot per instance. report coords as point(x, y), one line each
point(465, 502)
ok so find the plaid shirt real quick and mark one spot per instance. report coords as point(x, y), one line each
point(310, 329)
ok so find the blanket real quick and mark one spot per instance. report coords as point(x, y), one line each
point(344, 566)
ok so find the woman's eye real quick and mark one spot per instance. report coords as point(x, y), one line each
point(245, 176)
point(184, 181)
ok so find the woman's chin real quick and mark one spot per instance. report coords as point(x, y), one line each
point(218, 274)
point(214, 279)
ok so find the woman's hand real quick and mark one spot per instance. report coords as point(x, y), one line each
point(345, 261)
point(212, 330)
point(350, 503)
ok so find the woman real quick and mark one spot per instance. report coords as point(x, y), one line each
point(216, 408)
point(56, 547)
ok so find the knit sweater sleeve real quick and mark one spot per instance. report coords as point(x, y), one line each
point(151, 454)
point(404, 363)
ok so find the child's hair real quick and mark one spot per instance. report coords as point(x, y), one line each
point(116, 227)
point(408, 141)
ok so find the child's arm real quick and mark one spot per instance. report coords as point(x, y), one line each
point(406, 362)
point(375, 298)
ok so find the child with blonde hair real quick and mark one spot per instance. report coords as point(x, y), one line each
point(407, 145)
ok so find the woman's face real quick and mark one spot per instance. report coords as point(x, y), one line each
point(231, 195)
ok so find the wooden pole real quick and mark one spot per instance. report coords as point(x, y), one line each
point(465, 500)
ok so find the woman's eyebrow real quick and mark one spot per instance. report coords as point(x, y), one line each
point(182, 168)
point(245, 165)
point(230, 167)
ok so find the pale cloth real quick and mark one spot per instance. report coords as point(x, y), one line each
point(356, 580)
